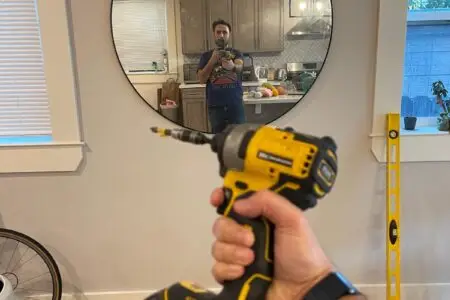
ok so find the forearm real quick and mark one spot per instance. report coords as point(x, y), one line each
point(204, 74)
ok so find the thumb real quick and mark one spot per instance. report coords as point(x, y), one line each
point(274, 207)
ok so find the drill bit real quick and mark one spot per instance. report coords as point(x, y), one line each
point(184, 135)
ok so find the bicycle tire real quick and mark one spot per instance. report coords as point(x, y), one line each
point(43, 253)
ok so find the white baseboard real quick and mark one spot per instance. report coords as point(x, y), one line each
point(419, 291)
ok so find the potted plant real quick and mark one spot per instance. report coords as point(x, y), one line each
point(409, 119)
point(441, 92)
point(444, 122)
point(410, 122)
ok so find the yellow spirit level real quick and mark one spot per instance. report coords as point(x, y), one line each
point(393, 271)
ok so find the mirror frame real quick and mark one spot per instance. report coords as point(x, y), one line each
point(267, 123)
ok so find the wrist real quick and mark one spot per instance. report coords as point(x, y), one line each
point(333, 286)
point(304, 289)
point(212, 61)
point(282, 290)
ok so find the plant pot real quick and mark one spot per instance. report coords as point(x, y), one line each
point(410, 123)
point(444, 125)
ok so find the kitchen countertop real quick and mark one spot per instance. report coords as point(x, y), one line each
point(292, 98)
point(244, 83)
point(273, 100)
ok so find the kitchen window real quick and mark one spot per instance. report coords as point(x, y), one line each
point(144, 36)
point(404, 29)
point(39, 127)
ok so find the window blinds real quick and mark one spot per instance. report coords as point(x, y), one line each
point(23, 93)
point(140, 33)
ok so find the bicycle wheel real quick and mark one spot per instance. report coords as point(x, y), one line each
point(20, 257)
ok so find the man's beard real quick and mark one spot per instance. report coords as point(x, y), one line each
point(221, 43)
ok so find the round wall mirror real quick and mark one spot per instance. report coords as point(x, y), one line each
point(205, 64)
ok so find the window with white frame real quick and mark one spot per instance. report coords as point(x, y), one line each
point(39, 124)
point(427, 59)
point(425, 144)
point(24, 106)
point(140, 34)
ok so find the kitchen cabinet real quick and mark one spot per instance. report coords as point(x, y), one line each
point(193, 26)
point(221, 9)
point(267, 112)
point(195, 114)
point(257, 25)
point(270, 26)
point(244, 35)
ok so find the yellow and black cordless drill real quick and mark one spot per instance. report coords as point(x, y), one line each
point(300, 167)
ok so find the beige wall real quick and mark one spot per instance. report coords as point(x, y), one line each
point(135, 218)
point(149, 91)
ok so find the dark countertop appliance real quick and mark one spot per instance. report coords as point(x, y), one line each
point(281, 75)
point(302, 75)
point(248, 71)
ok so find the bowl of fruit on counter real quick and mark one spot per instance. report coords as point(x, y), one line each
point(267, 90)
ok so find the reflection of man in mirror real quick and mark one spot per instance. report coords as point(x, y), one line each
point(220, 69)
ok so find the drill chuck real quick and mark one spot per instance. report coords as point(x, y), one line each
point(184, 135)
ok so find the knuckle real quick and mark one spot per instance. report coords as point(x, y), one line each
point(224, 229)
point(234, 254)
point(264, 194)
point(217, 251)
point(217, 227)
point(214, 250)
point(225, 253)
point(218, 272)
point(215, 273)
point(214, 228)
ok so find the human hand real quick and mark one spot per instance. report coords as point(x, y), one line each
point(227, 64)
point(215, 57)
point(300, 262)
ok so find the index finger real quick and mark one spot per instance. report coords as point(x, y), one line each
point(273, 206)
point(217, 196)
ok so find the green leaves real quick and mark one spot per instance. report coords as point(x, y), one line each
point(439, 89)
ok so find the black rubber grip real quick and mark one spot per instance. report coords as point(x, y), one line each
point(182, 291)
point(255, 282)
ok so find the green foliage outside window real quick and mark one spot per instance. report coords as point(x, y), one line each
point(428, 4)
